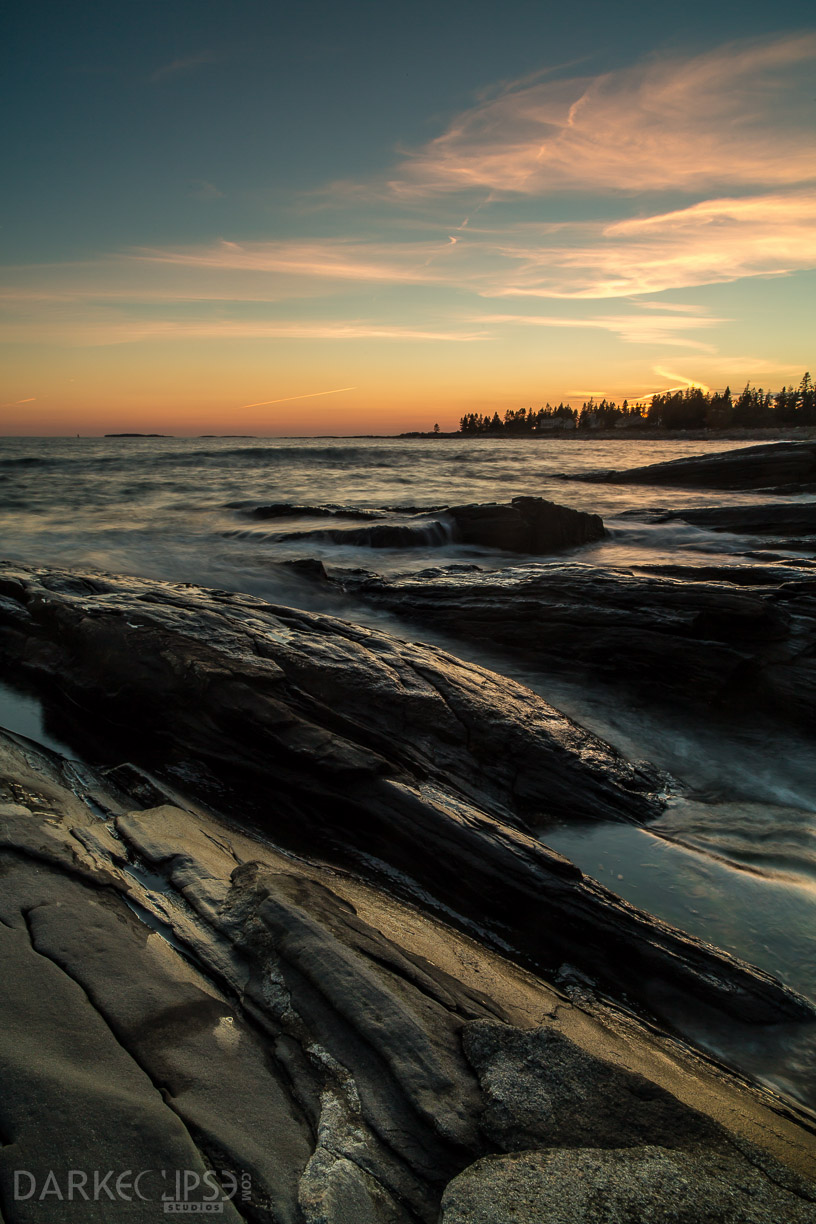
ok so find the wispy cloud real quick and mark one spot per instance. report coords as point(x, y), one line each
point(712, 242)
point(737, 115)
point(755, 366)
point(100, 327)
point(663, 329)
point(32, 399)
point(178, 67)
point(718, 240)
point(330, 259)
point(727, 136)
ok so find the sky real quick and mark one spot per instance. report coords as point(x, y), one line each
point(264, 218)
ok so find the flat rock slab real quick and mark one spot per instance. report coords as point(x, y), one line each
point(179, 994)
point(75, 1098)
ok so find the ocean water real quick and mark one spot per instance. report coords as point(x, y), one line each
point(177, 508)
point(734, 860)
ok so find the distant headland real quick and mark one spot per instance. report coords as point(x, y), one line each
point(689, 408)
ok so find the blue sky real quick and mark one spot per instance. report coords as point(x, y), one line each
point(440, 207)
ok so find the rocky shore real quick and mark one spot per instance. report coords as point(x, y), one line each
point(288, 923)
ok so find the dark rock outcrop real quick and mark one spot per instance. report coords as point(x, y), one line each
point(392, 757)
point(705, 644)
point(541, 1090)
point(782, 466)
point(527, 525)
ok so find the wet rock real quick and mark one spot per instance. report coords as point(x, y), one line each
point(783, 466)
point(278, 510)
point(380, 535)
point(242, 681)
point(307, 567)
point(790, 518)
point(527, 525)
point(524, 525)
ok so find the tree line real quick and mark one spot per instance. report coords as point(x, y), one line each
point(691, 408)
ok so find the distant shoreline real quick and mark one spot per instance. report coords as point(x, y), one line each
point(771, 433)
point(801, 433)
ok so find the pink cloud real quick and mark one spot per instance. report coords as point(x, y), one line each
point(738, 115)
point(709, 243)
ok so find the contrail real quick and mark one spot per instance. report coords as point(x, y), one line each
point(285, 398)
point(684, 383)
point(688, 382)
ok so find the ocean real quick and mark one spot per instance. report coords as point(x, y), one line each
point(190, 510)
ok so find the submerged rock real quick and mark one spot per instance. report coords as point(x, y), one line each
point(791, 518)
point(793, 522)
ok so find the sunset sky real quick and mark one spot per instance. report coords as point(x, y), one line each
point(253, 217)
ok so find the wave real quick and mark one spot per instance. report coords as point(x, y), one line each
point(278, 510)
point(327, 456)
point(763, 839)
point(396, 536)
point(134, 453)
point(26, 461)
